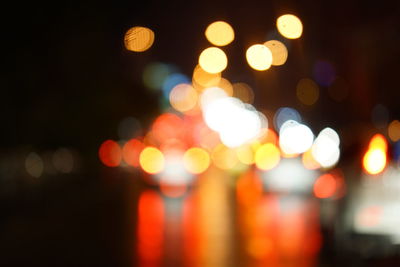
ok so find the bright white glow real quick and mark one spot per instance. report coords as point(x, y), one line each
point(284, 114)
point(332, 134)
point(210, 95)
point(237, 123)
point(174, 172)
point(295, 137)
point(290, 176)
point(325, 149)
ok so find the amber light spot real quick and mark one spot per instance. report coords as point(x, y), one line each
point(152, 160)
point(131, 151)
point(139, 39)
point(375, 159)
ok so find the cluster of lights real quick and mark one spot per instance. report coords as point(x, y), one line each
point(213, 122)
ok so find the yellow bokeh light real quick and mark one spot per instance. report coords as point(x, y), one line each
point(183, 97)
point(205, 79)
point(374, 161)
point(378, 142)
point(307, 91)
point(245, 154)
point(309, 162)
point(151, 160)
point(213, 60)
point(139, 39)
point(196, 160)
point(394, 130)
point(279, 52)
point(220, 33)
point(289, 26)
point(267, 156)
point(259, 57)
point(224, 157)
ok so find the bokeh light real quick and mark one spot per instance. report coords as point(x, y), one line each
point(63, 160)
point(394, 130)
point(220, 33)
point(325, 186)
point(151, 160)
point(213, 60)
point(325, 149)
point(295, 138)
point(284, 114)
point(196, 160)
point(259, 57)
point(243, 92)
point(279, 52)
point(307, 91)
point(173, 80)
point(289, 26)
point(224, 157)
point(155, 74)
point(374, 160)
point(34, 165)
point(267, 156)
point(138, 39)
point(110, 153)
point(183, 97)
point(131, 152)
point(204, 78)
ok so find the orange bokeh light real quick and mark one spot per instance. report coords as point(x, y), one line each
point(375, 159)
point(131, 151)
point(325, 186)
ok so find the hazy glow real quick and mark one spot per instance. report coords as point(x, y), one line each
point(155, 74)
point(224, 157)
point(394, 130)
point(243, 92)
point(307, 91)
point(173, 80)
point(325, 186)
point(279, 52)
point(295, 138)
point(284, 114)
point(245, 154)
point(196, 160)
point(259, 57)
point(289, 26)
point(63, 160)
point(289, 176)
point(204, 78)
point(174, 172)
point(374, 161)
point(110, 153)
point(267, 156)
point(220, 33)
point(34, 165)
point(210, 95)
point(325, 149)
point(131, 151)
point(151, 160)
point(138, 39)
point(183, 97)
point(213, 60)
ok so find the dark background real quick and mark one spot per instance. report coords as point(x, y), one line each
point(67, 81)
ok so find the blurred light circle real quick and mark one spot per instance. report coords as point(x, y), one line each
point(325, 186)
point(155, 74)
point(204, 78)
point(128, 128)
point(173, 80)
point(152, 160)
point(289, 26)
point(243, 92)
point(284, 114)
point(325, 150)
point(267, 156)
point(34, 165)
point(394, 130)
point(259, 57)
point(138, 39)
point(224, 157)
point(220, 33)
point(183, 97)
point(213, 60)
point(295, 138)
point(324, 73)
point(196, 160)
point(131, 152)
point(63, 160)
point(110, 153)
point(245, 154)
point(279, 52)
point(307, 91)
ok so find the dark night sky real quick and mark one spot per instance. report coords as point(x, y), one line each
point(68, 80)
